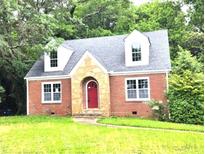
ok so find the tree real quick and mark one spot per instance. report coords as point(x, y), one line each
point(1, 92)
point(196, 14)
point(23, 35)
point(194, 42)
point(105, 15)
point(186, 89)
point(163, 15)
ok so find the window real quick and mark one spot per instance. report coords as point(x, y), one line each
point(137, 89)
point(136, 52)
point(56, 92)
point(51, 92)
point(54, 59)
point(47, 92)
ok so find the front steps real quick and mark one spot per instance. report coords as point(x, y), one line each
point(91, 113)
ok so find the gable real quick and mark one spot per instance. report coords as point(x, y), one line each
point(63, 56)
point(89, 64)
point(138, 40)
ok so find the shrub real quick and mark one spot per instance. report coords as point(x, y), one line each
point(186, 90)
point(186, 111)
point(159, 109)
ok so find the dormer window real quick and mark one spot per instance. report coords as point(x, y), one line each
point(137, 47)
point(136, 52)
point(54, 59)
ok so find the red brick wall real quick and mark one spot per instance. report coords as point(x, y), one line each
point(36, 107)
point(121, 107)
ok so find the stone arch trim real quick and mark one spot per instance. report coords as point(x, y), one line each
point(89, 68)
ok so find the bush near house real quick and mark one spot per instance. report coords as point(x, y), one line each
point(160, 110)
point(186, 94)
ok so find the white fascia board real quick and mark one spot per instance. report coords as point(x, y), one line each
point(110, 74)
point(138, 72)
point(87, 53)
point(48, 77)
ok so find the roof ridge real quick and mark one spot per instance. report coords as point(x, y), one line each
point(110, 36)
point(96, 37)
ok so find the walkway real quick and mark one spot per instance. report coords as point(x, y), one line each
point(93, 121)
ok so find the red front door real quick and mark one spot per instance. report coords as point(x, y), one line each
point(92, 96)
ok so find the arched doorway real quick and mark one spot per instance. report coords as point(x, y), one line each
point(91, 94)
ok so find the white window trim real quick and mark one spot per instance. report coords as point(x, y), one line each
point(53, 59)
point(42, 92)
point(137, 99)
point(135, 53)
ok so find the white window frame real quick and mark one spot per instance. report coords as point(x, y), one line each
point(51, 59)
point(42, 92)
point(139, 50)
point(137, 99)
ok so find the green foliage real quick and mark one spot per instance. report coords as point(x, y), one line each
point(159, 109)
point(103, 14)
point(185, 61)
point(53, 44)
point(99, 32)
point(196, 14)
point(1, 92)
point(163, 15)
point(186, 95)
point(194, 42)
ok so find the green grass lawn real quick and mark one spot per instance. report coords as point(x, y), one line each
point(139, 122)
point(45, 134)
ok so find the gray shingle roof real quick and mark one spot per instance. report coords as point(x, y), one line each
point(109, 51)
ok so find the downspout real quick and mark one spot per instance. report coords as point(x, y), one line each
point(167, 81)
point(27, 97)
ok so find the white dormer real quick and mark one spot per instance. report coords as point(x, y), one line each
point(136, 49)
point(56, 60)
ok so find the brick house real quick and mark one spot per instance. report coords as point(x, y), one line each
point(108, 76)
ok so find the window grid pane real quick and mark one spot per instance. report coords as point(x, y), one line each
point(143, 88)
point(53, 59)
point(47, 87)
point(143, 93)
point(132, 93)
point(56, 87)
point(131, 84)
point(142, 83)
point(54, 63)
point(47, 96)
point(56, 92)
point(56, 96)
point(131, 89)
point(136, 54)
point(53, 55)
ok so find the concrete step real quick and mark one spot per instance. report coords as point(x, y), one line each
point(87, 115)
